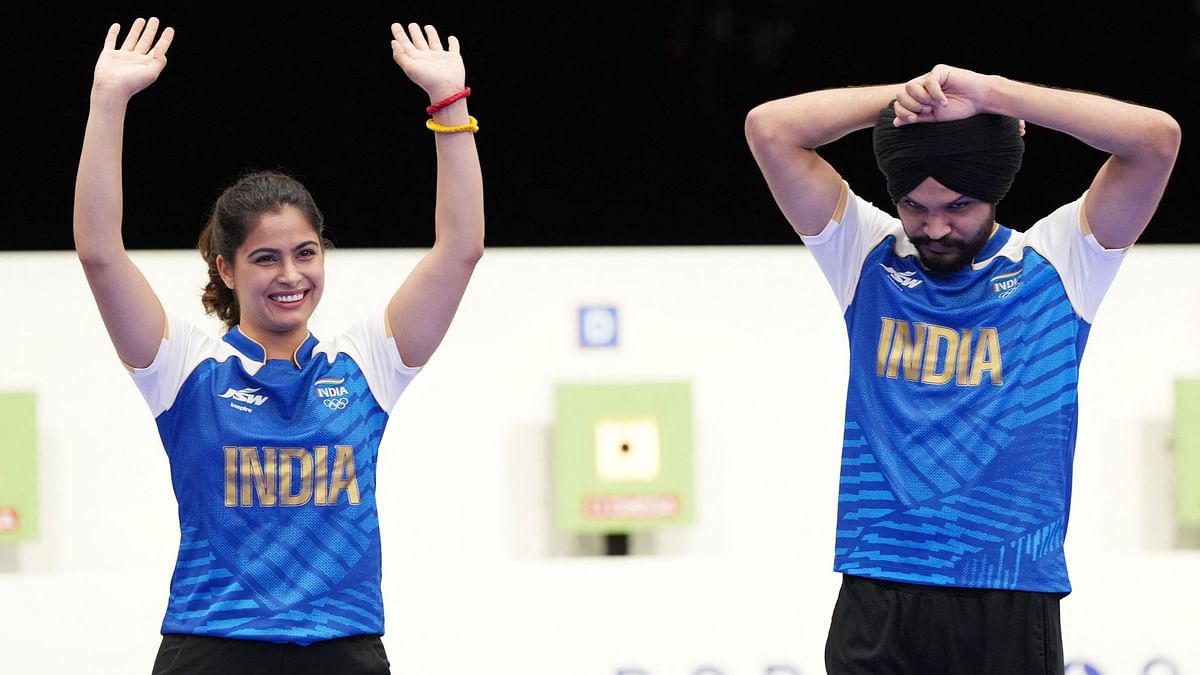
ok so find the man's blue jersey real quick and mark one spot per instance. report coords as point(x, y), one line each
point(273, 466)
point(961, 407)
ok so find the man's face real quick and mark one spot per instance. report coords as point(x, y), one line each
point(947, 228)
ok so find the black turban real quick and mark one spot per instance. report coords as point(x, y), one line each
point(978, 156)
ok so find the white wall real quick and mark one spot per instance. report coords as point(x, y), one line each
point(476, 578)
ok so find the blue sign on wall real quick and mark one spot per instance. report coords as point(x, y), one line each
point(598, 326)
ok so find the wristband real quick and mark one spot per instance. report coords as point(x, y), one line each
point(434, 107)
point(472, 126)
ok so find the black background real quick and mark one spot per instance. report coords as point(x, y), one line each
point(603, 124)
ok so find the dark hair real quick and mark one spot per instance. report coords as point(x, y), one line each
point(234, 214)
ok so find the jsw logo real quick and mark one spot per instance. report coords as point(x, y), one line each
point(904, 279)
point(245, 395)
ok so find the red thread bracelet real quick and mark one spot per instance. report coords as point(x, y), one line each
point(434, 107)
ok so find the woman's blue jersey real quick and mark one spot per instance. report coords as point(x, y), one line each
point(273, 466)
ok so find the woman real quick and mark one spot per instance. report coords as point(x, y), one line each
point(272, 434)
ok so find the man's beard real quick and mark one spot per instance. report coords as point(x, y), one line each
point(955, 253)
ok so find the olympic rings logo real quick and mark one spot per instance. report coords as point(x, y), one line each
point(336, 403)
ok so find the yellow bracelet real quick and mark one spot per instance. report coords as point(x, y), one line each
point(471, 126)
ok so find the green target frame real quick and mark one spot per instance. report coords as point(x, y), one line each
point(18, 467)
point(1187, 452)
point(623, 459)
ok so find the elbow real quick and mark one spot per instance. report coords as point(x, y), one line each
point(474, 254)
point(474, 250)
point(469, 251)
point(770, 131)
point(1172, 135)
point(463, 243)
point(760, 126)
point(1163, 137)
point(94, 247)
point(91, 258)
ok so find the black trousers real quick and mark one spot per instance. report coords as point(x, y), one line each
point(200, 655)
point(881, 627)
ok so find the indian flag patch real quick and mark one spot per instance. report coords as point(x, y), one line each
point(1004, 285)
point(330, 386)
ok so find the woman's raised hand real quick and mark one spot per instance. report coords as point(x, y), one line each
point(131, 67)
point(436, 69)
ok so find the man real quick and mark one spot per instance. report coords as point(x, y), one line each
point(965, 341)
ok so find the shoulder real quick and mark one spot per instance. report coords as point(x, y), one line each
point(858, 218)
point(183, 351)
point(370, 347)
point(1065, 243)
point(359, 340)
point(1064, 234)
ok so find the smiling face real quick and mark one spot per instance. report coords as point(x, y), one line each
point(278, 274)
point(947, 228)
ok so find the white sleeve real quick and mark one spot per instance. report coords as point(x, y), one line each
point(183, 348)
point(841, 247)
point(375, 352)
point(1086, 268)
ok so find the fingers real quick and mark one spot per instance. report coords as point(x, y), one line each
point(400, 37)
point(418, 38)
point(435, 43)
point(917, 96)
point(933, 84)
point(904, 114)
point(141, 37)
point(134, 32)
point(421, 39)
point(110, 40)
point(910, 104)
point(164, 43)
point(147, 38)
point(920, 97)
